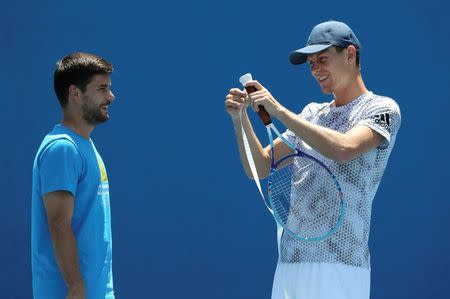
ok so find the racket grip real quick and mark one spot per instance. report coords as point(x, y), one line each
point(262, 113)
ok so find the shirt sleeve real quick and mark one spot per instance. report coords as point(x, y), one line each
point(383, 116)
point(60, 167)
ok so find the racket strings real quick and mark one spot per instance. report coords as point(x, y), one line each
point(305, 197)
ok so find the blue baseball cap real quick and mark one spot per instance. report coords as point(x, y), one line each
point(323, 36)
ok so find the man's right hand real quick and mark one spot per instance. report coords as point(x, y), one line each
point(235, 101)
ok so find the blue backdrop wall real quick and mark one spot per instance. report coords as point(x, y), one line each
point(186, 221)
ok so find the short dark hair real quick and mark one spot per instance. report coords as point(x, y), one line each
point(77, 69)
point(340, 49)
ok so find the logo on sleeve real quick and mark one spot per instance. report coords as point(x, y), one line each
point(383, 120)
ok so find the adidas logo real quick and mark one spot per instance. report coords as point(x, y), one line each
point(383, 120)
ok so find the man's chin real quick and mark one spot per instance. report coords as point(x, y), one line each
point(97, 120)
point(102, 120)
point(326, 90)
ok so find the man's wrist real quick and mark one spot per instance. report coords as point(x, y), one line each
point(237, 117)
point(282, 114)
point(75, 284)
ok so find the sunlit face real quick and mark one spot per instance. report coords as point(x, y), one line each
point(329, 68)
point(96, 100)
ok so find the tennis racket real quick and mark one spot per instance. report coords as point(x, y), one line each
point(305, 197)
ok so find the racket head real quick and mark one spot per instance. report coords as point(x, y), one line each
point(305, 197)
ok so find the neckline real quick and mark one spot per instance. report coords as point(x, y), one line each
point(66, 128)
point(351, 103)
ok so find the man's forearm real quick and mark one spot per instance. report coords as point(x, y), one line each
point(65, 248)
point(330, 143)
point(258, 154)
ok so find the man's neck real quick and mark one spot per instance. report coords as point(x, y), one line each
point(350, 92)
point(77, 125)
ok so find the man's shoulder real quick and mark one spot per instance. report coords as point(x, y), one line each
point(58, 141)
point(62, 143)
point(61, 137)
point(57, 144)
point(380, 101)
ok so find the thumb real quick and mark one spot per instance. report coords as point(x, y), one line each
point(255, 84)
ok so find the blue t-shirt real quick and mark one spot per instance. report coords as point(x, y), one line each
point(67, 161)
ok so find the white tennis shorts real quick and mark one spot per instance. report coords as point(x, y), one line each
point(320, 281)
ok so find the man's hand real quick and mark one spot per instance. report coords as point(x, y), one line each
point(264, 98)
point(235, 101)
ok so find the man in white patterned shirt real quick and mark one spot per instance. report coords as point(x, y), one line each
point(354, 135)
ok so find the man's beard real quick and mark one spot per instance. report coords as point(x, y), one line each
point(93, 114)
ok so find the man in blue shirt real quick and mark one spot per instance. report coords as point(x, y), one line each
point(71, 225)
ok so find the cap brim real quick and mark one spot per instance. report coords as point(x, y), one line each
point(299, 56)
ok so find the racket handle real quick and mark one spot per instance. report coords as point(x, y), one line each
point(262, 113)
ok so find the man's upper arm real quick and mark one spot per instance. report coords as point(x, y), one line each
point(382, 116)
point(60, 167)
point(361, 139)
point(280, 149)
point(59, 207)
point(381, 121)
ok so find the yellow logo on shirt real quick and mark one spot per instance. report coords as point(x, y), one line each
point(103, 178)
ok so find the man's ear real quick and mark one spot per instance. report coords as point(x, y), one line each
point(351, 53)
point(74, 93)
